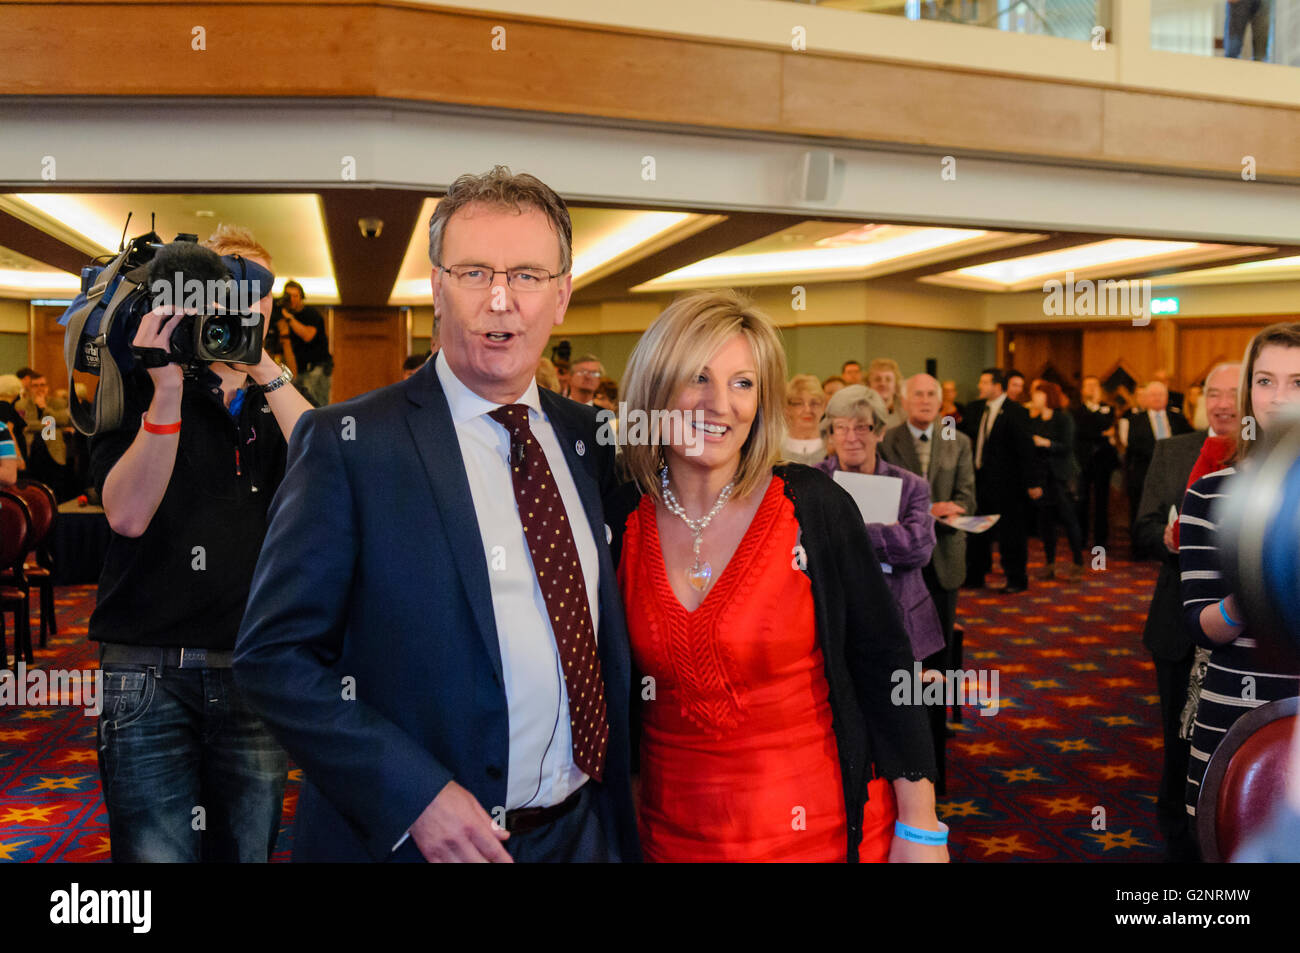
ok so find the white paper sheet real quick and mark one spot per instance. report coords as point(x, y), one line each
point(878, 497)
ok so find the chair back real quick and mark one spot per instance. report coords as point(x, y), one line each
point(15, 529)
point(43, 508)
point(1245, 779)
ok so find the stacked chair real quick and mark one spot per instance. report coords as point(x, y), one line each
point(27, 514)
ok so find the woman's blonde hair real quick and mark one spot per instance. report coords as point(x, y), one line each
point(675, 348)
point(888, 364)
point(805, 384)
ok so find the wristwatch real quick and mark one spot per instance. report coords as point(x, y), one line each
point(285, 377)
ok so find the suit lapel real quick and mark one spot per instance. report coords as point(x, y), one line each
point(436, 442)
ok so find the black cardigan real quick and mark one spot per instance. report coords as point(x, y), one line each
point(860, 633)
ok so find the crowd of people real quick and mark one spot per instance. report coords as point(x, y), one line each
point(707, 612)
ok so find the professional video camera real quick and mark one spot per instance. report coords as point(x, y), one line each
point(217, 294)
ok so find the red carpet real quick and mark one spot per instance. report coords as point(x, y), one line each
point(1065, 771)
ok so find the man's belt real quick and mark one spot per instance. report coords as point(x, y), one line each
point(531, 818)
point(113, 653)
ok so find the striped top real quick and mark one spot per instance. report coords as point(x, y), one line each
point(1235, 679)
point(1198, 553)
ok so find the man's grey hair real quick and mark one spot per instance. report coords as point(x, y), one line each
point(502, 188)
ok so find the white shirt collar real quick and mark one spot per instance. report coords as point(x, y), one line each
point(996, 403)
point(465, 404)
point(916, 434)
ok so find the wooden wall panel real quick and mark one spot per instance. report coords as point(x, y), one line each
point(1134, 347)
point(1036, 350)
point(392, 50)
point(45, 351)
point(369, 345)
point(1203, 346)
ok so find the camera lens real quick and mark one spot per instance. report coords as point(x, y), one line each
point(220, 335)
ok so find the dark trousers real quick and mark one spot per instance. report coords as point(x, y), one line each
point(945, 601)
point(1252, 13)
point(576, 838)
point(1171, 805)
point(1057, 505)
point(189, 771)
point(1094, 500)
point(1010, 535)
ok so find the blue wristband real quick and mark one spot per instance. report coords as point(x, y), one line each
point(918, 836)
point(1223, 611)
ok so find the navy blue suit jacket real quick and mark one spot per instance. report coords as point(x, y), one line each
point(369, 644)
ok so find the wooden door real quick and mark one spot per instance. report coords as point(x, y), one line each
point(369, 345)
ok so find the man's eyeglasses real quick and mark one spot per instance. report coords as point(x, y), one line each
point(478, 277)
point(592, 375)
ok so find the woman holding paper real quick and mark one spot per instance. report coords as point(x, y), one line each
point(903, 532)
point(761, 620)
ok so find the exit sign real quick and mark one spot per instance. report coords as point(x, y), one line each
point(1164, 305)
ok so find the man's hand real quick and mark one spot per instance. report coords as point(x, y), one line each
point(1035, 492)
point(262, 373)
point(155, 331)
point(1169, 539)
point(1041, 441)
point(946, 508)
point(454, 828)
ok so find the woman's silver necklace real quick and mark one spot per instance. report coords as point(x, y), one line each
point(698, 575)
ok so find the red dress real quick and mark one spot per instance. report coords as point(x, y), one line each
point(738, 756)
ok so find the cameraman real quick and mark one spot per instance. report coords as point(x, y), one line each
point(189, 772)
point(304, 327)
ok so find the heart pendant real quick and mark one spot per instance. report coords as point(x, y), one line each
point(699, 576)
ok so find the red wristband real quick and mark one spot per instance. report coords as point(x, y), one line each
point(159, 428)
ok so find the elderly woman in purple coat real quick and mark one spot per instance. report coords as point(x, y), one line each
point(854, 424)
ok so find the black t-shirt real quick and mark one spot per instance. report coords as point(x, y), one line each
point(185, 580)
point(315, 351)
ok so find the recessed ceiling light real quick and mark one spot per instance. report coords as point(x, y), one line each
point(205, 213)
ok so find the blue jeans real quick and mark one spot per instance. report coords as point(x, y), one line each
point(189, 772)
point(1256, 14)
point(315, 385)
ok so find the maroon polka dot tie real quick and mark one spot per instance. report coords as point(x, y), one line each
point(559, 573)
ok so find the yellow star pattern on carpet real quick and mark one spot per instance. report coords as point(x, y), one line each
point(59, 784)
point(1078, 701)
point(1109, 839)
point(7, 848)
point(16, 734)
point(1034, 724)
point(24, 815)
point(982, 748)
point(960, 809)
point(38, 713)
point(1110, 772)
point(1084, 666)
point(1119, 683)
point(1065, 805)
point(79, 757)
point(1001, 845)
point(1044, 683)
point(1115, 721)
point(1012, 775)
point(1072, 744)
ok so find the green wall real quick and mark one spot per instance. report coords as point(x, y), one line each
point(821, 349)
point(13, 355)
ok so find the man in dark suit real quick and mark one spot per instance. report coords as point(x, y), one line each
point(1140, 431)
point(435, 632)
point(943, 455)
point(1006, 469)
point(1094, 428)
point(1169, 643)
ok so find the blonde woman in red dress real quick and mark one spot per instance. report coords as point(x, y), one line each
point(760, 622)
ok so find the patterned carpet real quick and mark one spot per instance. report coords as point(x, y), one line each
point(1065, 771)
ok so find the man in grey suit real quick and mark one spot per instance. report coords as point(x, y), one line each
point(941, 454)
point(1170, 645)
